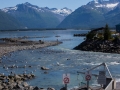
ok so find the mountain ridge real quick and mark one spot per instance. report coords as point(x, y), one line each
point(8, 22)
point(64, 11)
point(33, 16)
point(94, 14)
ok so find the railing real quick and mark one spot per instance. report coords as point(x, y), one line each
point(111, 85)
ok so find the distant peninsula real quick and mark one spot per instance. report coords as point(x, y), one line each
point(101, 40)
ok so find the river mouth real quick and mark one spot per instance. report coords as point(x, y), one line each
point(59, 61)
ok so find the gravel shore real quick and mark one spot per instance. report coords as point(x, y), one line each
point(4, 49)
point(15, 81)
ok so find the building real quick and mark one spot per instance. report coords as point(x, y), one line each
point(118, 28)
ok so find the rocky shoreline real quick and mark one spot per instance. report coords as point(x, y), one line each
point(18, 82)
point(14, 81)
point(105, 46)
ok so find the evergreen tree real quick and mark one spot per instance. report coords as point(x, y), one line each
point(90, 35)
point(107, 33)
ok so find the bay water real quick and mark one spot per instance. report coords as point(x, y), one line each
point(60, 59)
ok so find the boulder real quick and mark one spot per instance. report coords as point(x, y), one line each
point(25, 84)
point(36, 88)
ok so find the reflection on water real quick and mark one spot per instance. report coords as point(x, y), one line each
point(59, 59)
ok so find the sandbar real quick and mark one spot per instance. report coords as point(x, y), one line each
point(4, 49)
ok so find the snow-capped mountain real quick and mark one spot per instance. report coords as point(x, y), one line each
point(104, 4)
point(33, 16)
point(95, 13)
point(63, 12)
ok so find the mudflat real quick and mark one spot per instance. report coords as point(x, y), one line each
point(13, 44)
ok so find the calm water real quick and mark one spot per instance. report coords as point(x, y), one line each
point(70, 61)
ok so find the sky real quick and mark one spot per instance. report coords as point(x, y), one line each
point(71, 4)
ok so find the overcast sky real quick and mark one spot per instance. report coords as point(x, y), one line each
point(72, 4)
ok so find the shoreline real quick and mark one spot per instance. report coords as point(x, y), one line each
point(5, 49)
point(19, 80)
point(104, 46)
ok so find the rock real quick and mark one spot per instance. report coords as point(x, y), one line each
point(5, 88)
point(42, 89)
point(16, 82)
point(10, 77)
point(10, 88)
point(63, 88)
point(2, 78)
point(32, 75)
point(13, 84)
point(11, 81)
point(3, 84)
point(18, 86)
point(50, 88)
point(44, 68)
point(17, 77)
point(68, 59)
point(25, 84)
point(19, 82)
point(45, 72)
point(29, 66)
point(30, 88)
point(1, 87)
point(36, 88)
point(29, 76)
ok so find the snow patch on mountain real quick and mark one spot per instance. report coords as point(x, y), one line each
point(109, 5)
point(96, 1)
point(112, 5)
point(9, 9)
point(63, 12)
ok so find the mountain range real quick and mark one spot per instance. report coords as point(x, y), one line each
point(32, 16)
point(94, 14)
point(8, 22)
